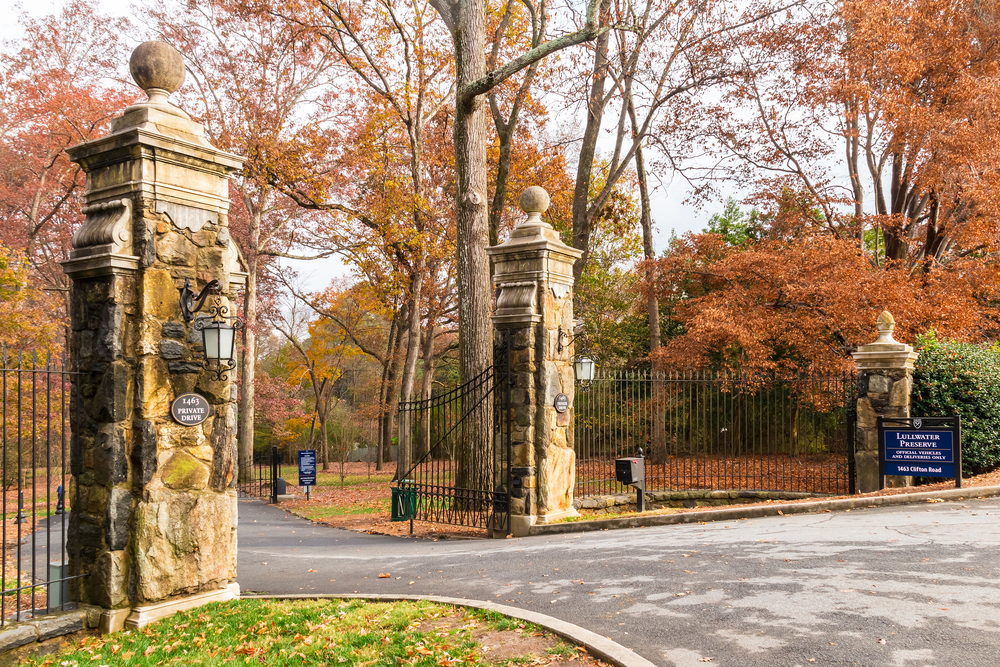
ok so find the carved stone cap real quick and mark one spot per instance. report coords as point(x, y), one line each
point(535, 200)
point(885, 325)
point(158, 68)
point(534, 237)
point(886, 352)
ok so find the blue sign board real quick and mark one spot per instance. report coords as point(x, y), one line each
point(920, 447)
point(923, 453)
point(307, 467)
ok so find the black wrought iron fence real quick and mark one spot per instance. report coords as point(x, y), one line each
point(258, 477)
point(459, 443)
point(35, 391)
point(703, 430)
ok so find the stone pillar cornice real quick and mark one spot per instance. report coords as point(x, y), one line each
point(885, 352)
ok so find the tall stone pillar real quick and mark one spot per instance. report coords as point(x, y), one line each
point(155, 523)
point(534, 279)
point(885, 381)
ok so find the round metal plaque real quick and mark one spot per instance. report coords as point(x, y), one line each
point(190, 409)
point(561, 403)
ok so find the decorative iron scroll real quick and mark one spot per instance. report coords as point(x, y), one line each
point(107, 224)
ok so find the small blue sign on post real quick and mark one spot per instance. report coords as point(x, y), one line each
point(921, 447)
point(307, 469)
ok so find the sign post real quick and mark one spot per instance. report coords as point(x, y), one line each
point(921, 447)
point(307, 469)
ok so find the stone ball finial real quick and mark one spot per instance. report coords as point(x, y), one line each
point(157, 65)
point(885, 322)
point(535, 200)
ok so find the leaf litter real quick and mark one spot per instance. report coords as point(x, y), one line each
point(326, 632)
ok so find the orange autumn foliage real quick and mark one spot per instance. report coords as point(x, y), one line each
point(803, 303)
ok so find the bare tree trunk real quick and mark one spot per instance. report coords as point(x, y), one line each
point(427, 385)
point(404, 457)
point(582, 218)
point(384, 437)
point(475, 289)
point(474, 285)
point(392, 391)
point(248, 365)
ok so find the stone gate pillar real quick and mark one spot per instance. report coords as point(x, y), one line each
point(885, 380)
point(155, 523)
point(534, 280)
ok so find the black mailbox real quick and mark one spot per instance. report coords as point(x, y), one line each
point(630, 471)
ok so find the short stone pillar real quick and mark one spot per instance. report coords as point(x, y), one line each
point(885, 380)
point(534, 280)
point(155, 523)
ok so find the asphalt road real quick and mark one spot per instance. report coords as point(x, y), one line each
point(904, 586)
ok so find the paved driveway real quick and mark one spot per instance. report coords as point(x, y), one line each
point(909, 586)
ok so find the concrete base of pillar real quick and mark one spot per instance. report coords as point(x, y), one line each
point(553, 517)
point(112, 620)
point(147, 614)
point(520, 524)
point(866, 467)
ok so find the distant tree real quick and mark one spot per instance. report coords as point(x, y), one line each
point(60, 85)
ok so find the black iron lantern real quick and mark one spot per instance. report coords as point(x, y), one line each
point(218, 330)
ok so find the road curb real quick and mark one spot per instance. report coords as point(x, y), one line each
point(597, 646)
point(736, 512)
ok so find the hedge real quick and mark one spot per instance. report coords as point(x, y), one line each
point(964, 379)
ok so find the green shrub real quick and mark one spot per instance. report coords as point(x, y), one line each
point(964, 379)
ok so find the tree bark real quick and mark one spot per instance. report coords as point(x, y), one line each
point(384, 394)
point(427, 385)
point(404, 457)
point(582, 218)
point(248, 366)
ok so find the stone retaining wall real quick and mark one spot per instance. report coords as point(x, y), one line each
point(625, 502)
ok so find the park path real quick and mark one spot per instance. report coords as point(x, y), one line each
point(908, 586)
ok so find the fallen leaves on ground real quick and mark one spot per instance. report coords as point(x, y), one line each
point(328, 632)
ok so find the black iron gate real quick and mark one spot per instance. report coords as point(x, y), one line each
point(459, 443)
point(258, 478)
point(38, 573)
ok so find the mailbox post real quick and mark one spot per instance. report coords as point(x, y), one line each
point(632, 471)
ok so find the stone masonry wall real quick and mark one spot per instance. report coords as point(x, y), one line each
point(884, 392)
point(157, 510)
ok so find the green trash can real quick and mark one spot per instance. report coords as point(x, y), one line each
point(404, 501)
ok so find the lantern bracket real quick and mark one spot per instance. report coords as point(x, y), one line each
point(191, 304)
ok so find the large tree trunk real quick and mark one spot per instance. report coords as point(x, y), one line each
point(475, 290)
point(582, 215)
point(248, 364)
point(392, 389)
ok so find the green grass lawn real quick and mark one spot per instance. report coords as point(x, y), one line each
point(311, 632)
point(316, 513)
point(291, 476)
